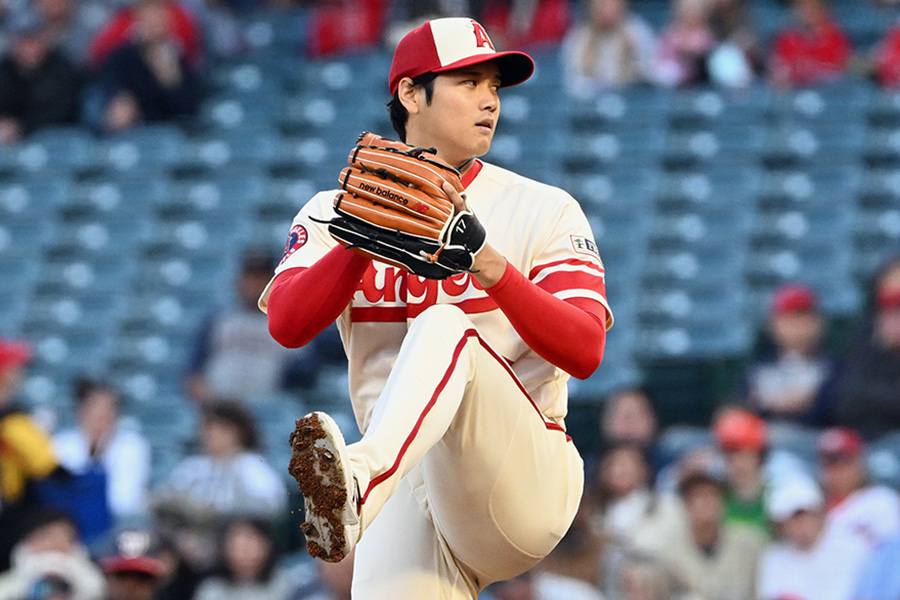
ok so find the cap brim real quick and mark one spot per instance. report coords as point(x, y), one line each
point(133, 564)
point(515, 67)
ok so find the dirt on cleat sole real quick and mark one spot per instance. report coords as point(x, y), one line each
point(320, 479)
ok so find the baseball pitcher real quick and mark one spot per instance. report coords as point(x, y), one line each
point(466, 295)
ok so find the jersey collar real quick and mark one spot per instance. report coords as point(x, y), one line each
point(470, 175)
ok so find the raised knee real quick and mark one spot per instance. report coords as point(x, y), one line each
point(444, 319)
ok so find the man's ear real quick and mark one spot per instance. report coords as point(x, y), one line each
point(408, 95)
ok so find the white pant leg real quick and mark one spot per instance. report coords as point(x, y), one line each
point(402, 556)
point(501, 482)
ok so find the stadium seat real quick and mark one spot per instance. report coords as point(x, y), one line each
point(879, 188)
point(132, 195)
point(57, 149)
point(882, 147)
point(245, 145)
point(157, 146)
point(638, 106)
point(677, 440)
point(633, 188)
point(715, 187)
point(883, 460)
point(707, 148)
point(284, 28)
point(240, 109)
point(814, 186)
point(800, 441)
point(697, 262)
point(25, 237)
point(81, 349)
point(31, 196)
point(883, 111)
point(613, 373)
point(621, 147)
point(172, 268)
point(219, 194)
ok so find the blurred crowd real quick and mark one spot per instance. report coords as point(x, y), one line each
point(112, 65)
point(773, 500)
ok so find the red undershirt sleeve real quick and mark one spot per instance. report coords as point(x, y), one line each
point(303, 302)
point(570, 334)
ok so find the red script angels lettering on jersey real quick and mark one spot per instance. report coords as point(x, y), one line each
point(386, 289)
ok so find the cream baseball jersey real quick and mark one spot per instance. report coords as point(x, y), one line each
point(540, 229)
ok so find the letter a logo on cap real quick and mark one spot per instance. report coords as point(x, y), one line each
point(450, 43)
point(481, 37)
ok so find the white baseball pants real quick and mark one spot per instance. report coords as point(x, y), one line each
point(463, 481)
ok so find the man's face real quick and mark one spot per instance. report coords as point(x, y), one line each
point(130, 586)
point(462, 117)
point(59, 536)
point(841, 474)
point(802, 529)
point(742, 462)
point(797, 331)
point(10, 378)
point(888, 326)
point(704, 502)
point(30, 49)
point(99, 413)
point(629, 417)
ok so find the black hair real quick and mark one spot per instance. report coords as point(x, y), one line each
point(398, 113)
point(44, 516)
point(234, 414)
point(258, 260)
point(85, 386)
point(264, 529)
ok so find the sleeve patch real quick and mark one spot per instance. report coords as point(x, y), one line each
point(584, 245)
point(296, 240)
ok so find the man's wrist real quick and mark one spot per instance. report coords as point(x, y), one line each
point(489, 266)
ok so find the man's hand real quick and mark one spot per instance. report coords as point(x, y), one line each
point(489, 264)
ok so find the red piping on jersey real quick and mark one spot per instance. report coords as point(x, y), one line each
point(378, 314)
point(576, 262)
point(470, 175)
point(399, 314)
point(457, 351)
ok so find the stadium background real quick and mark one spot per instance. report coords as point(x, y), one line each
point(112, 249)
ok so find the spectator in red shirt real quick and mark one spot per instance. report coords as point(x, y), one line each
point(344, 26)
point(147, 79)
point(815, 50)
point(887, 58)
point(120, 30)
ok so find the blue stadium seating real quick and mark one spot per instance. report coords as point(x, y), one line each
point(702, 201)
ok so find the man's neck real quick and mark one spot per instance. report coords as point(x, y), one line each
point(706, 535)
point(466, 165)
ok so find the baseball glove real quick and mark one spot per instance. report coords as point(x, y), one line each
point(394, 210)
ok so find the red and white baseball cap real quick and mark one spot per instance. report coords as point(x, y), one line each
point(738, 429)
point(838, 442)
point(794, 298)
point(452, 43)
